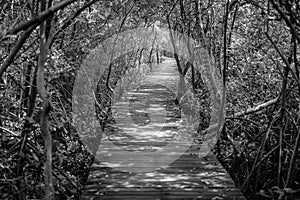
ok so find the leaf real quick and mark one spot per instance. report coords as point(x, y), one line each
point(289, 191)
point(35, 157)
point(30, 120)
point(264, 193)
point(277, 190)
point(217, 198)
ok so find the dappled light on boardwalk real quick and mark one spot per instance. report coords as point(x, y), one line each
point(145, 121)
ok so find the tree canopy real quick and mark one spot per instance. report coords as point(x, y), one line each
point(252, 48)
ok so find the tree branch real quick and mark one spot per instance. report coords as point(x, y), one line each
point(287, 21)
point(247, 112)
point(48, 176)
point(16, 49)
point(40, 18)
point(68, 21)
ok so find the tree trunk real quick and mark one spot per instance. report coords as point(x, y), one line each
point(48, 178)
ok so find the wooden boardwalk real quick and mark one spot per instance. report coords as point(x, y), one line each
point(186, 178)
point(154, 160)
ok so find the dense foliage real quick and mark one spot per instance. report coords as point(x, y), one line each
point(253, 45)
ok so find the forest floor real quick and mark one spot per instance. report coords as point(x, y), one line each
point(146, 151)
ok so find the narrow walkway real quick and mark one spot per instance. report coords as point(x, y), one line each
point(146, 152)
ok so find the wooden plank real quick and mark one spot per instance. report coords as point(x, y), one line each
point(187, 177)
point(171, 194)
point(206, 179)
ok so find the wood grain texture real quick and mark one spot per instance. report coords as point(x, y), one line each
point(186, 178)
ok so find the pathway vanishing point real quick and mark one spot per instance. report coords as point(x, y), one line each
point(188, 177)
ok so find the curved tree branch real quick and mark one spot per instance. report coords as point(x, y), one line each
point(29, 26)
point(16, 49)
point(40, 18)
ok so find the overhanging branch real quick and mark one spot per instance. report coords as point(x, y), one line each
point(40, 18)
